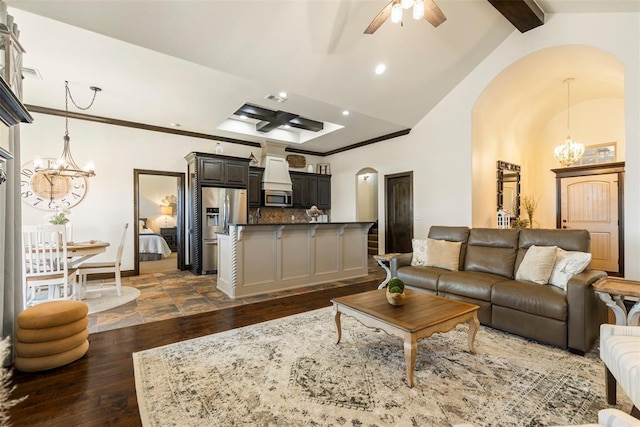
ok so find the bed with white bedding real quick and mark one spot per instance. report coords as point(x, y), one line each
point(151, 246)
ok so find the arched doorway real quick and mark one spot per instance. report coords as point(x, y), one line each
point(525, 129)
point(367, 204)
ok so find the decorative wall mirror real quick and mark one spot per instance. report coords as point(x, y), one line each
point(508, 182)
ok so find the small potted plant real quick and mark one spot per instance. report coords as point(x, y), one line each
point(395, 292)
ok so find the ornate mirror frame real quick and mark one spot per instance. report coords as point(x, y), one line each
point(508, 172)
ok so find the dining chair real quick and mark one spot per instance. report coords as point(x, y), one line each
point(46, 265)
point(87, 268)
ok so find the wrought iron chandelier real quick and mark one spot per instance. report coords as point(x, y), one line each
point(65, 165)
point(570, 151)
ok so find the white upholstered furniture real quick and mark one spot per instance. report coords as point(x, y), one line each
point(620, 353)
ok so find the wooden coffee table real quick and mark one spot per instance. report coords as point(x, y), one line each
point(421, 316)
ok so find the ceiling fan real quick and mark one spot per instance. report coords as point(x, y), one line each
point(426, 9)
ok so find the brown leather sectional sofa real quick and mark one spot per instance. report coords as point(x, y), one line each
point(489, 259)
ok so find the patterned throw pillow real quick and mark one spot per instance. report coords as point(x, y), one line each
point(419, 252)
point(443, 254)
point(537, 264)
point(568, 264)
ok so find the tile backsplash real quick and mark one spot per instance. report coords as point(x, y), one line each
point(282, 215)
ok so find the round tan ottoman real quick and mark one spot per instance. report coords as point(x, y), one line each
point(51, 334)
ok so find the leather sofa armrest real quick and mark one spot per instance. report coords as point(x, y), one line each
point(399, 261)
point(586, 311)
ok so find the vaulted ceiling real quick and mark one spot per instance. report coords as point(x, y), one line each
point(195, 63)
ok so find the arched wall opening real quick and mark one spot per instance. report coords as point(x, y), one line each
point(522, 115)
point(367, 195)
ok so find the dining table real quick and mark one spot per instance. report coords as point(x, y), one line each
point(79, 252)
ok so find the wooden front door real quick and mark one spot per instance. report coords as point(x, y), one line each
point(591, 203)
point(399, 212)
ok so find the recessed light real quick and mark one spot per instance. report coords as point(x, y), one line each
point(243, 116)
point(175, 125)
point(283, 95)
point(287, 126)
point(380, 68)
point(345, 113)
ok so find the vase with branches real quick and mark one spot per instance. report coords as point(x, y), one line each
point(530, 204)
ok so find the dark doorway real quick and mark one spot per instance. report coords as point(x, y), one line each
point(398, 190)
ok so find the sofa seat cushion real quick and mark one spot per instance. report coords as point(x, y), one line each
point(420, 277)
point(471, 284)
point(541, 300)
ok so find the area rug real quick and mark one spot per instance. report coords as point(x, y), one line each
point(290, 372)
point(108, 298)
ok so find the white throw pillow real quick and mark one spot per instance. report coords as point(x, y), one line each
point(568, 264)
point(419, 252)
point(537, 264)
point(443, 254)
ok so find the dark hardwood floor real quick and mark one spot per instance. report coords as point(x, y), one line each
point(99, 389)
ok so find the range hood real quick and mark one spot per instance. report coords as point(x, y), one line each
point(276, 168)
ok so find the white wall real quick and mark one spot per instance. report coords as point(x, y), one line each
point(439, 148)
point(116, 152)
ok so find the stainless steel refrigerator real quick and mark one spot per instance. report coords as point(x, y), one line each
point(220, 206)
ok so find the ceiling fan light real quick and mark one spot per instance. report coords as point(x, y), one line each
point(396, 13)
point(418, 9)
point(406, 4)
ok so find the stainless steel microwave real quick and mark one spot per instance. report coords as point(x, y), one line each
point(277, 198)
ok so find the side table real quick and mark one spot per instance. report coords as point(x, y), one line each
point(170, 235)
point(384, 260)
point(613, 290)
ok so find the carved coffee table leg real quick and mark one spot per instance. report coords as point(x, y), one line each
point(474, 325)
point(336, 314)
point(410, 349)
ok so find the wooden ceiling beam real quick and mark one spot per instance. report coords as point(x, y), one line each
point(525, 15)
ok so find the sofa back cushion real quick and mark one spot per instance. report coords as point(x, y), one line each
point(491, 250)
point(451, 234)
point(569, 240)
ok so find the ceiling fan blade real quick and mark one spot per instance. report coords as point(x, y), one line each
point(380, 18)
point(433, 14)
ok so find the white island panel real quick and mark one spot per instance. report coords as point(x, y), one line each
point(354, 250)
point(327, 250)
point(296, 252)
point(261, 258)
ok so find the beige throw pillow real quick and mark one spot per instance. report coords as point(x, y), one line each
point(568, 264)
point(419, 252)
point(443, 254)
point(537, 264)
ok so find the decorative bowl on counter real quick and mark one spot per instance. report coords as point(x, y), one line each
point(313, 213)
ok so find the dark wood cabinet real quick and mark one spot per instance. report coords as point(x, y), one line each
point(298, 189)
point(170, 235)
point(236, 173)
point(311, 189)
point(211, 171)
point(223, 172)
point(324, 192)
point(254, 194)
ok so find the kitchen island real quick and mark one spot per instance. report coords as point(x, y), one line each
point(255, 259)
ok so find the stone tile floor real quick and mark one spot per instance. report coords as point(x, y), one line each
point(180, 293)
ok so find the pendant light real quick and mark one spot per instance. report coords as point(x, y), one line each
point(65, 165)
point(570, 151)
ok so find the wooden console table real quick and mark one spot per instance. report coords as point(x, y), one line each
point(613, 290)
